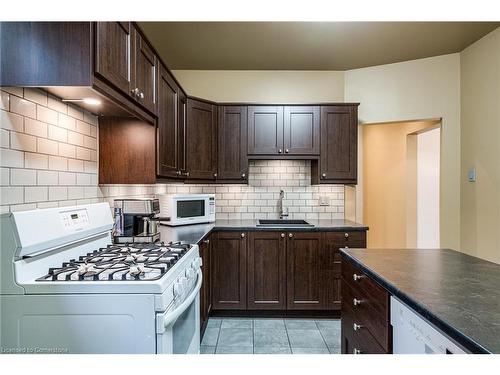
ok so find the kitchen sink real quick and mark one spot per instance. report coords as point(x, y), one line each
point(283, 223)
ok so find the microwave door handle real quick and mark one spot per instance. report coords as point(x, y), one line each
point(172, 316)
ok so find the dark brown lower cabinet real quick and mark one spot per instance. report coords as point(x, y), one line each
point(229, 267)
point(266, 269)
point(205, 291)
point(332, 242)
point(366, 325)
point(306, 287)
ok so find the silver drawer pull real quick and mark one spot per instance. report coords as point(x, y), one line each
point(356, 301)
point(357, 277)
point(356, 351)
point(356, 326)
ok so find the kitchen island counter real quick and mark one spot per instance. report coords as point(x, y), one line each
point(457, 293)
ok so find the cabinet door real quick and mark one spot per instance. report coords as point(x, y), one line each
point(144, 74)
point(339, 140)
point(232, 155)
point(229, 271)
point(265, 130)
point(267, 271)
point(205, 291)
point(168, 124)
point(301, 130)
point(112, 53)
point(201, 140)
point(181, 129)
point(305, 284)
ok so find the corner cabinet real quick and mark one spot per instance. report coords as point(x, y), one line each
point(339, 146)
point(201, 140)
point(170, 141)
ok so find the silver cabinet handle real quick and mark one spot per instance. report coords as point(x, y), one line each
point(346, 235)
point(280, 151)
point(282, 235)
point(215, 175)
point(357, 277)
point(323, 175)
point(243, 175)
point(356, 301)
point(242, 235)
point(356, 327)
point(186, 174)
point(356, 351)
point(286, 151)
point(178, 173)
point(135, 91)
point(290, 235)
point(141, 95)
point(206, 241)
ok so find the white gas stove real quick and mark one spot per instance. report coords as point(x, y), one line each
point(65, 288)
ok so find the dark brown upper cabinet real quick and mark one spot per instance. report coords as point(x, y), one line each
point(144, 73)
point(339, 144)
point(112, 53)
point(266, 270)
point(229, 271)
point(301, 130)
point(169, 134)
point(265, 130)
point(305, 282)
point(232, 133)
point(279, 132)
point(201, 140)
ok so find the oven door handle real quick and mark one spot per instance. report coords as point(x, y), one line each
point(171, 316)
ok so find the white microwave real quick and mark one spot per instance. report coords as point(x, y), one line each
point(186, 209)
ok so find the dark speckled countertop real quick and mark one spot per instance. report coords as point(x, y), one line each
point(458, 293)
point(196, 232)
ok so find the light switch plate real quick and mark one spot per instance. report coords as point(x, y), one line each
point(324, 200)
point(471, 175)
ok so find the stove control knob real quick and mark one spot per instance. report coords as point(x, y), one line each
point(190, 273)
point(178, 288)
point(184, 282)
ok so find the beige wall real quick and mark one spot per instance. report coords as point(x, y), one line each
point(387, 205)
point(419, 89)
point(263, 86)
point(480, 146)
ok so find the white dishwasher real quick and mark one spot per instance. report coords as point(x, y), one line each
point(412, 334)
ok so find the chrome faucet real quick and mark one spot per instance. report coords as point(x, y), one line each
point(283, 212)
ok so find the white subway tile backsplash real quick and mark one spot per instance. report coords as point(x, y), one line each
point(67, 122)
point(75, 112)
point(57, 105)
point(58, 193)
point(11, 158)
point(22, 106)
point(35, 127)
point(58, 134)
point(46, 115)
point(11, 121)
point(4, 176)
point(12, 195)
point(48, 178)
point(66, 150)
point(5, 138)
point(4, 100)
point(35, 194)
point(58, 163)
point(22, 142)
point(36, 95)
point(22, 177)
point(47, 146)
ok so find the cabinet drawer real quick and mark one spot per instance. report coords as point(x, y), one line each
point(372, 315)
point(361, 283)
point(358, 340)
point(348, 239)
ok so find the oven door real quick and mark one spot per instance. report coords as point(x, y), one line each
point(178, 328)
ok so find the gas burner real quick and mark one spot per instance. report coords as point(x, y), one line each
point(123, 262)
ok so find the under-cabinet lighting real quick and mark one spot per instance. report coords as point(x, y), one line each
point(89, 101)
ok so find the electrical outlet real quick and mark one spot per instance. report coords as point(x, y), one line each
point(324, 200)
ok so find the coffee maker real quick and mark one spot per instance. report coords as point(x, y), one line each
point(135, 220)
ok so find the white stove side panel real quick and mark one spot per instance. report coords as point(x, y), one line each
point(78, 324)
